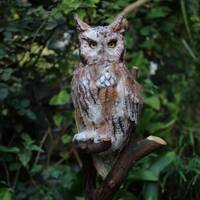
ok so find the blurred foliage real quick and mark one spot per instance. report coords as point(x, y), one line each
point(38, 53)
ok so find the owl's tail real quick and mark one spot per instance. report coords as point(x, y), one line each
point(103, 163)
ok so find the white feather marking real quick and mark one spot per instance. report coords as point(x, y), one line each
point(95, 112)
point(85, 136)
point(120, 89)
point(102, 79)
point(107, 75)
point(98, 83)
point(120, 108)
point(112, 81)
point(85, 82)
point(107, 83)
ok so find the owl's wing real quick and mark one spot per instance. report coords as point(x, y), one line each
point(75, 100)
point(133, 102)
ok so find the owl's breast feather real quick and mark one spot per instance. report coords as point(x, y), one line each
point(106, 80)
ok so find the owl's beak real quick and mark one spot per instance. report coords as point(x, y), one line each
point(102, 52)
point(102, 49)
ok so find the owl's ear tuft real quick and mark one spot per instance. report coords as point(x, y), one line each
point(81, 26)
point(119, 25)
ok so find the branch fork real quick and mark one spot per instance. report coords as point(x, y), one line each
point(127, 158)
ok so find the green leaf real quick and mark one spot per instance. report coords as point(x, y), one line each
point(30, 114)
point(148, 44)
point(24, 156)
point(157, 12)
point(80, 198)
point(143, 175)
point(185, 18)
point(54, 172)
point(163, 162)
point(153, 102)
point(67, 180)
point(6, 74)
point(2, 51)
point(25, 103)
point(3, 93)
point(29, 143)
point(5, 194)
point(27, 139)
point(66, 139)
point(139, 58)
point(189, 49)
point(147, 30)
point(36, 169)
point(4, 149)
point(125, 195)
point(58, 119)
point(60, 99)
point(154, 127)
point(14, 166)
point(36, 148)
point(151, 191)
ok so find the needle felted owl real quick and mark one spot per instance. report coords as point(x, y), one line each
point(105, 95)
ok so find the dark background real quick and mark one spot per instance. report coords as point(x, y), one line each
point(38, 53)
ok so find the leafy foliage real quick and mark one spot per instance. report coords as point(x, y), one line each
point(38, 53)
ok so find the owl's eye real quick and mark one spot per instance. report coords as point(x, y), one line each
point(92, 44)
point(112, 44)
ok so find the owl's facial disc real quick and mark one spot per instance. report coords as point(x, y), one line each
point(102, 43)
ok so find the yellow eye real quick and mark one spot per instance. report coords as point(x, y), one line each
point(93, 44)
point(112, 44)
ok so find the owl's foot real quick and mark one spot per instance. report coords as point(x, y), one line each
point(91, 141)
point(89, 136)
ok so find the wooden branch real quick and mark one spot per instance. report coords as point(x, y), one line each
point(132, 7)
point(125, 162)
point(89, 173)
point(127, 158)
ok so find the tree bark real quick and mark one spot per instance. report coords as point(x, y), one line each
point(89, 173)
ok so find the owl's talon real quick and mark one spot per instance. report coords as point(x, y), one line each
point(88, 136)
point(82, 137)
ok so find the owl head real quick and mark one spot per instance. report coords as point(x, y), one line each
point(101, 44)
